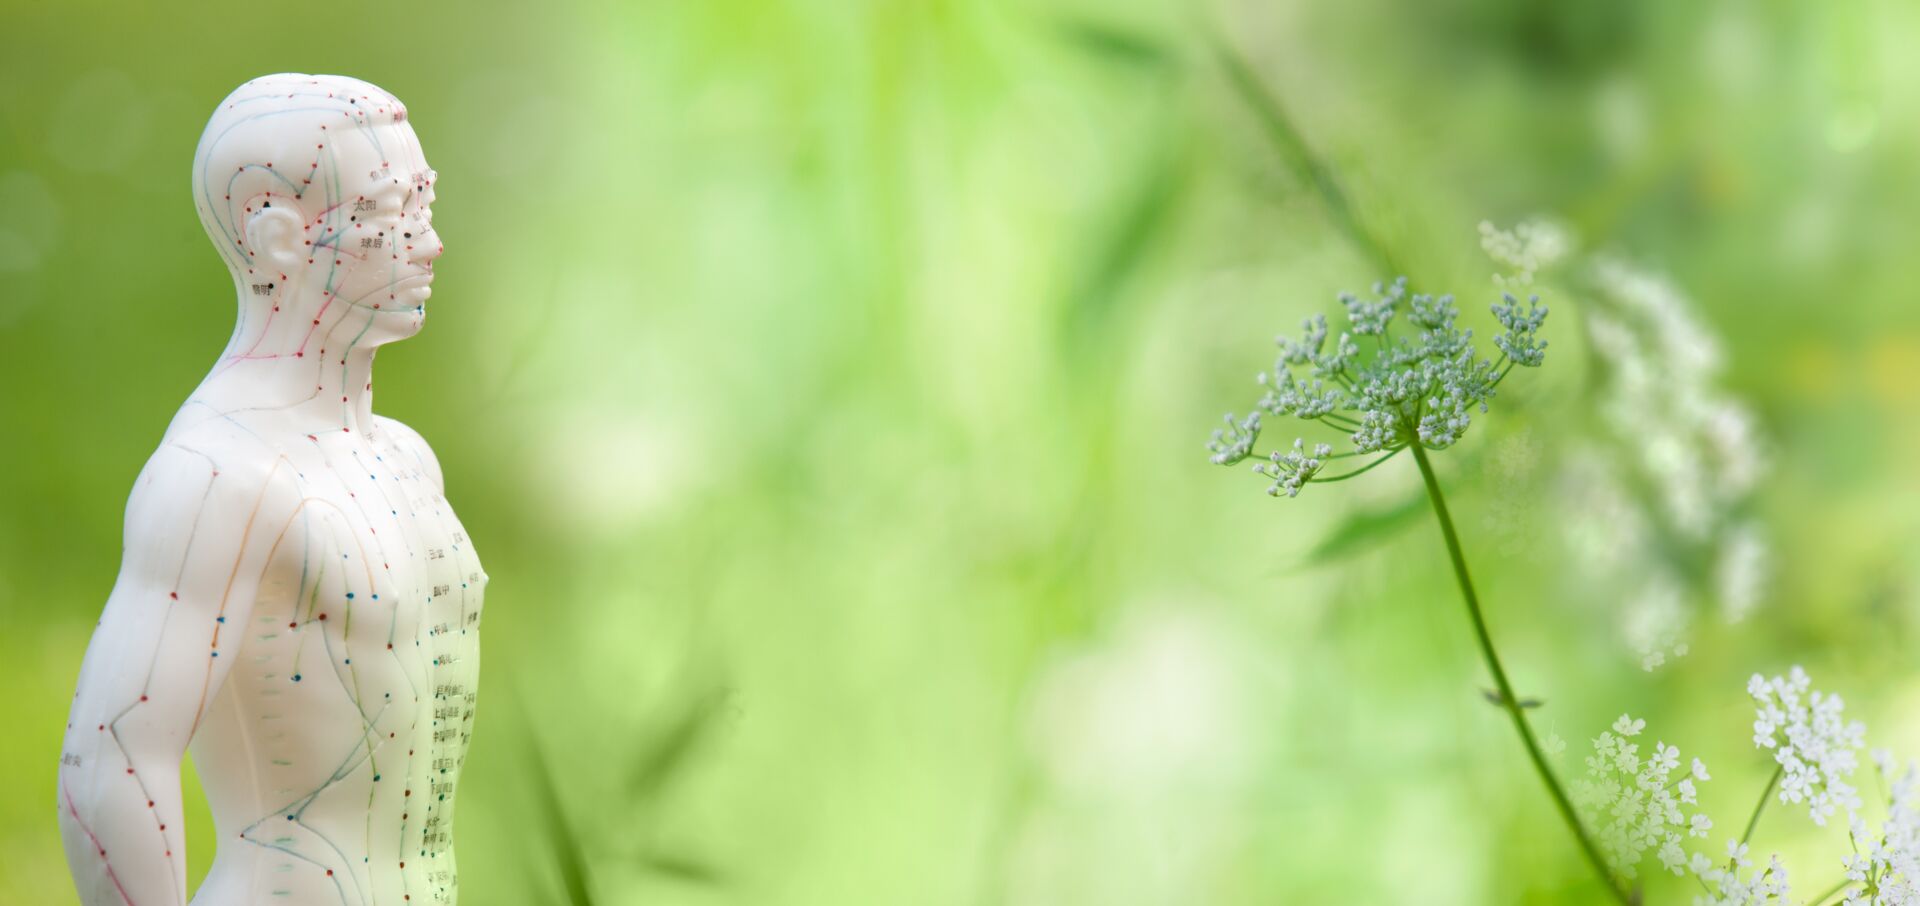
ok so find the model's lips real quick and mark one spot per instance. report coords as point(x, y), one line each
point(421, 279)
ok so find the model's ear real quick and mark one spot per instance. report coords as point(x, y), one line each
point(275, 235)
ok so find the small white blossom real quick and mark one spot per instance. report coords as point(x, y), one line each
point(1235, 441)
point(1293, 468)
point(1635, 804)
point(1728, 886)
point(1672, 857)
point(1814, 745)
point(1887, 867)
point(1521, 341)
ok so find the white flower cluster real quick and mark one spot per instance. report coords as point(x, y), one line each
point(1235, 441)
point(1293, 468)
point(1728, 886)
point(1815, 746)
point(1633, 807)
point(1654, 622)
point(1523, 250)
point(1698, 447)
point(1677, 458)
point(1888, 868)
point(1411, 389)
point(1634, 804)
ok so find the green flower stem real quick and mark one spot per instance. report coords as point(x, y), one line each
point(1343, 477)
point(1507, 699)
point(1831, 892)
point(1761, 806)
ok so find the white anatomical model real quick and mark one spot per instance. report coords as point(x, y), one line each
point(296, 599)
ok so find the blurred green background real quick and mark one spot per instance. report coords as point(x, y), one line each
point(824, 384)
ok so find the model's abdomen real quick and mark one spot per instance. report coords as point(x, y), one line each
point(331, 755)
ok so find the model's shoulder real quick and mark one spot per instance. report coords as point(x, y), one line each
point(213, 449)
point(194, 484)
point(410, 444)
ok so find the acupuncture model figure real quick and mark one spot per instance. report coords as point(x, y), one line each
point(296, 600)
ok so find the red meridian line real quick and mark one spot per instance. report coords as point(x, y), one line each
point(193, 532)
point(113, 729)
point(246, 535)
point(316, 323)
point(104, 862)
point(264, 328)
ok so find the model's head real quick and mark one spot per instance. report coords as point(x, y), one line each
point(313, 187)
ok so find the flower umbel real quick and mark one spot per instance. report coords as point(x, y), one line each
point(1635, 804)
point(1732, 885)
point(1419, 389)
point(1815, 746)
point(1888, 868)
point(1412, 392)
point(1293, 468)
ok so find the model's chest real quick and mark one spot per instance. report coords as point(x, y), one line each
point(376, 511)
point(376, 560)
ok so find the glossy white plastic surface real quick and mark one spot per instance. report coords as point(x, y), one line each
point(296, 601)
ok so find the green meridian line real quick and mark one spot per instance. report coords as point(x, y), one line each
point(1508, 701)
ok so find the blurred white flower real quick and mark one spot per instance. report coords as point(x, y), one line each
point(1161, 703)
point(1612, 528)
point(1655, 623)
point(1664, 485)
point(1741, 572)
point(1146, 743)
point(1635, 804)
point(1523, 250)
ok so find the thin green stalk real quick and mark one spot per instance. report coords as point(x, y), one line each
point(1507, 698)
point(1280, 129)
point(1823, 898)
point(1343, 477)
point(1761, 806)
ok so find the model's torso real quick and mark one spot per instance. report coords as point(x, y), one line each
point(330, 755)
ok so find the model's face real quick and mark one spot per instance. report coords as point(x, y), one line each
point(376, 242)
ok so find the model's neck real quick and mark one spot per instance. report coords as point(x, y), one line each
point(307, 355)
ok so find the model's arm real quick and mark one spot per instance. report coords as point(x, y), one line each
point(200, 529)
